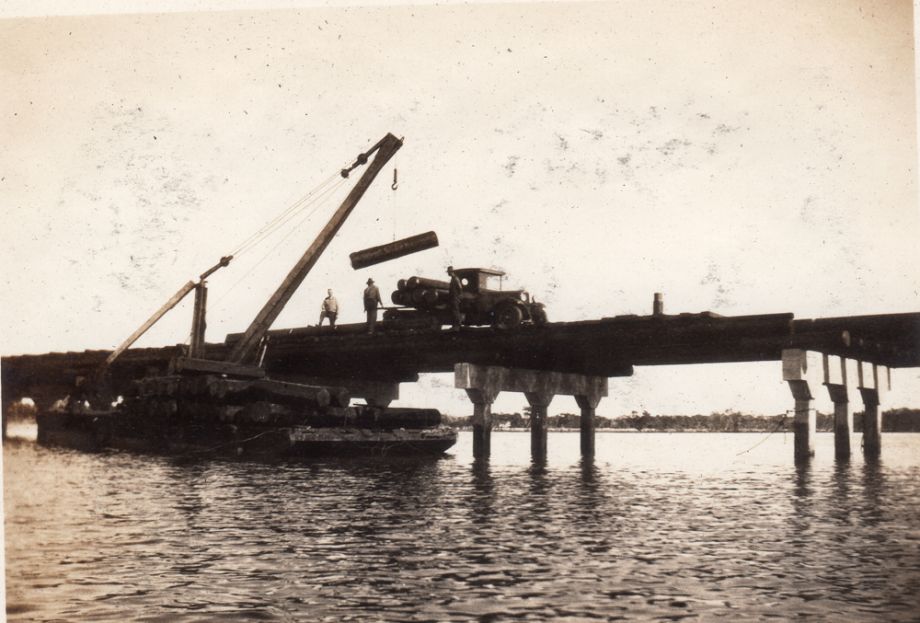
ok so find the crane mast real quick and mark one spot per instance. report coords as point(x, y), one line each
point(245, 350)
point(240, 360)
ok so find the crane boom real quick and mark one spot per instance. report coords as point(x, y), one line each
point(246, 348)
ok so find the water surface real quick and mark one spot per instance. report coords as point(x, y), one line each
point(658, 526)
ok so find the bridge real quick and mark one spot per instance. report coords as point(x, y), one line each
point(849, 356)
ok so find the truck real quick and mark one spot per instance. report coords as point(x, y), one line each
point(482, 301)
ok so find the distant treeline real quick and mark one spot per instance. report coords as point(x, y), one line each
point(894, 420)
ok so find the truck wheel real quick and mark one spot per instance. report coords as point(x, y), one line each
point(539, 316)
point(508, 317)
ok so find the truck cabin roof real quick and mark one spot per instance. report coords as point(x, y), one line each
point(476, 279)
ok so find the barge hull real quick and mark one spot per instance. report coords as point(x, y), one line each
point(99, 431)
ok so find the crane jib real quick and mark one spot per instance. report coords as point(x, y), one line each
point(246, 348)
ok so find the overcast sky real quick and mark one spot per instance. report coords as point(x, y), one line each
point(741, 157)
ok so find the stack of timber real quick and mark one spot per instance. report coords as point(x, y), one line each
point(265, 418)
point(420, 292)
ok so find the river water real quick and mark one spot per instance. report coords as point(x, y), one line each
point(658, 526)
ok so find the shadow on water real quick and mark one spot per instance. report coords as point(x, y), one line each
point(874, 493)
point(482, 500)
point(841, 485)
point(589, 471)
point(639, 536)
point(803, 486)
point(800, 527)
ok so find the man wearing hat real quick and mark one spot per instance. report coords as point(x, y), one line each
point(371, 303)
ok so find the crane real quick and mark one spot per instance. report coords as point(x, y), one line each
point(241, 360)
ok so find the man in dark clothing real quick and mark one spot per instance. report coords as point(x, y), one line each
point(453, 292)
point(371, 303)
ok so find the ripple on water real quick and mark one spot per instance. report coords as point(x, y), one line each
point(656, 527)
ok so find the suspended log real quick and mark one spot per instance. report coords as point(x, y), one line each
point(393, 250)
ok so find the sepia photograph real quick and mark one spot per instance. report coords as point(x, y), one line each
point(460, 311)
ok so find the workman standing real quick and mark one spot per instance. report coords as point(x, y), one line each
point(329, 309)
point(371, 303)
point(453, 292)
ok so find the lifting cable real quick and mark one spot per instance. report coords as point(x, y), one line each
point(286, 215)
point(316, 198)
point(318, 201)
point(315, 195)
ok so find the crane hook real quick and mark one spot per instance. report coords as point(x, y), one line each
point(395, 183)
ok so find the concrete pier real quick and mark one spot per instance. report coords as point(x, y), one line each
point(838, 384)
point(588, 406)
point(482, 400)
point(539, 402)
point(873, 381)
point(484, 383)
point(800, 369)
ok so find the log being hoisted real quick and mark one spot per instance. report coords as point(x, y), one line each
point(393, 250)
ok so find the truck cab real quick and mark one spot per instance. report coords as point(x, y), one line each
point(484, 302)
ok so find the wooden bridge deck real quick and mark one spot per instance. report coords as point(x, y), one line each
point(604, 347)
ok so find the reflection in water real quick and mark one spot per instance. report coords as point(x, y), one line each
point(873, 486)
point(482, 505)
point(654, 527)
point(802, 480)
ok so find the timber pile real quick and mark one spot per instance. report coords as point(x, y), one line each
point(420, 292)
point(262, 402)
point(233, 391)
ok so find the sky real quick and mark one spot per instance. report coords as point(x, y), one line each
point(739, 157)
